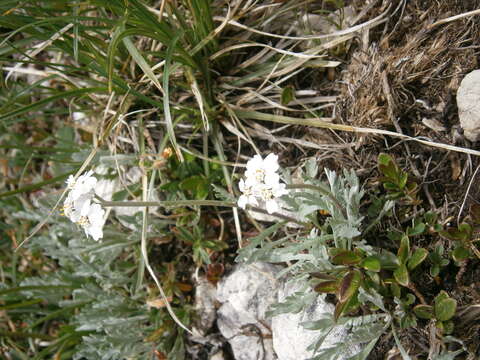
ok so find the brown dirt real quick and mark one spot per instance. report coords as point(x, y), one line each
point(404, 79)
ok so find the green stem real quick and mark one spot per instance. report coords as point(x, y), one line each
point(35, 287)
point(22, 335)
point(176, 203)
point(55, 314)
point(179, 203)
point(20, 305)
point(36, 186)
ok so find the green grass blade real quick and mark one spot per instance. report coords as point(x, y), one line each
point(36, 186)
point(140, 60)
point(166, 100)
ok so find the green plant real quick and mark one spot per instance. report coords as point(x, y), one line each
point(442, 311)
point(463, 236)
point(120, 83)
point(437, 260)
point(202, 247)
point(88, 302)
point(396, 181)
point(119, 68)
point(339, 257)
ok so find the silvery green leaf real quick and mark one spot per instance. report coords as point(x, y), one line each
point(311, 168)
point(371, 296)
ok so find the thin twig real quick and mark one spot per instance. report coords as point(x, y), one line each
point(180, 203)
point(420, 297)
point(174, 203)
point(453, 18)
point(328, 124)
point(466, 194)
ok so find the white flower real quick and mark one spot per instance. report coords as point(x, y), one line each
point(270, 194)
point(70, 182)
point(262, 183)
point(248, 197)
point(80, 209)
point(83, 185)
point(92, 220)
point(261, 170)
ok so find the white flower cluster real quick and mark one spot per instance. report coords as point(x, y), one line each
point(80, 208)
point(262, 183)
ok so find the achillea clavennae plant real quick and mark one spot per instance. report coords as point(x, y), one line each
point(262, 183)
point(80, 208)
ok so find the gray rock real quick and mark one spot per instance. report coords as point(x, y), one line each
point(217, 356)
point(246, 295)
point(468, 102)
point(322, 24)
point(205, 299)
point(291, 340)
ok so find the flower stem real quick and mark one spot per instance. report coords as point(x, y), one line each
point(323, 190)
point(176, 203)
point(179, 203)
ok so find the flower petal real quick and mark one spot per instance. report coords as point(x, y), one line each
point(280, 190)
point(270, 163)
point(271, 206)
point(252, 200)
point(272, 180)
point(70, 181)
point(241, 185)
point(94, 231)
point(242, 201)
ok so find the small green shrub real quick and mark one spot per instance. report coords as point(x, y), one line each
point(351, 250)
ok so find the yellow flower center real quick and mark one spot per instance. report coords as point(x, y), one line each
point(267, 193)
point(259, 175)
point(83, 221)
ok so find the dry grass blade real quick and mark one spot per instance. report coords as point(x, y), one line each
point(200, 45)
point(236, 120)
point(213, 161)
point(453, 18)
point(268, 47)
point(145, 256)
point(300, 143)
point(142, 63)
point(228, 179)
point(40, 47)
point(327, 124)
point(230, 127)
point(198, 97)
point(366, 25)
point(166, 99)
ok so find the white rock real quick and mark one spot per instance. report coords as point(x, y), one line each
point(78, 116)
point(105, 188)
point(468, 102)
point(205, 298)
point(326, 24)
point(246, 295)
point(291, 340)
point(433, 124)
point(217, 356)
